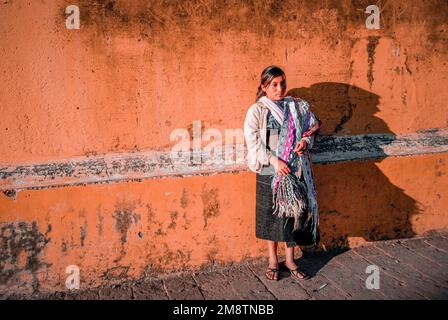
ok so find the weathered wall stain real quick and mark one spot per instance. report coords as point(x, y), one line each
point(440, 168)
point(182, 258)
point(116, 273)
point(124, 218)
point(154, 224)
point(100, 225)
point(287, 19)
point(83, 227)
point(123, 223)
point(371, 45)
point(22, 244)
point(187, 222)
point(184, 199)
point(213, 251)
point(210, 203)
point(173, 216)
point(63, 246)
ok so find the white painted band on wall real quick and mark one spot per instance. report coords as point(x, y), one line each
point(159, 164)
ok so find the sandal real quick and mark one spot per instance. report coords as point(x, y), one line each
point(298, 275)
point(271, 273)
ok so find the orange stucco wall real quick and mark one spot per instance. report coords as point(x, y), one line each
point(135, 72)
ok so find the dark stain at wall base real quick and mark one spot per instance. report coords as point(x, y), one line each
point(181, 257)
point(116, 273)
point(21, 244)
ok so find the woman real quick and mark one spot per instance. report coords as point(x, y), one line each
point(279, 130)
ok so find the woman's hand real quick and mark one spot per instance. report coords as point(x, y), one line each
point(280, 166)
point(301, 146)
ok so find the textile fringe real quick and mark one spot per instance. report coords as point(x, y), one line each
point(289, 197)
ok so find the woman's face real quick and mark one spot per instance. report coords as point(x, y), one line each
point(276, 89)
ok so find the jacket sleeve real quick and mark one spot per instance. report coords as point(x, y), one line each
point(257, 152)
point(312, 125)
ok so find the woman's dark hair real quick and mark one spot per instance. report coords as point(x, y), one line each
point(267, 75)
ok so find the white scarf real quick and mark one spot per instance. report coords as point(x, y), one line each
point(276, 111)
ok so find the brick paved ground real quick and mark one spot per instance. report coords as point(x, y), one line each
point(414, 268)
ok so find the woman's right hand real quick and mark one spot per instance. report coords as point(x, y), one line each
point(280, 166)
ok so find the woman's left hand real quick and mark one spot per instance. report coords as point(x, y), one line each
point(301, 146)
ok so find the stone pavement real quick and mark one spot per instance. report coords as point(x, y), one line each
point(415, 268)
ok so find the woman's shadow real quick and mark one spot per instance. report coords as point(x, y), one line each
point(357, 201)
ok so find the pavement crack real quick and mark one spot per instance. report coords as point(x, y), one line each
point(198, 285)
point(434, 246)
point(258, 277)
point(166, 290)
point(345, 294)
point(421, 255)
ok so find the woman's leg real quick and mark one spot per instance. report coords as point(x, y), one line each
point(272, 248)
point(272, 271)
point(289, 257)
point(291, 264)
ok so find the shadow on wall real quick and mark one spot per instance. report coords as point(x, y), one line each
point(356, 200)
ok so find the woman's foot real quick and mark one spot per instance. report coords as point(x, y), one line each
point(295, 271)
point(272, 271)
